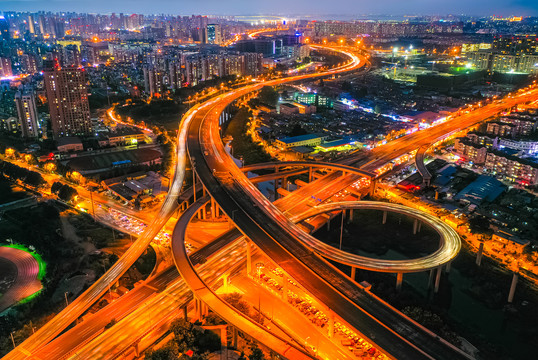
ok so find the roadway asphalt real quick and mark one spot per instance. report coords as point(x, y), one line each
point(201, 291)
point(281, 240)
point(450, 243)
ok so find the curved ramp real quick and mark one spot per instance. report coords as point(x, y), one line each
point(448, 249)
point(206, 295)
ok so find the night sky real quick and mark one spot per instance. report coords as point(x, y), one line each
point(325, 8)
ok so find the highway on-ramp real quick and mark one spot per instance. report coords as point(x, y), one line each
point(281, 240)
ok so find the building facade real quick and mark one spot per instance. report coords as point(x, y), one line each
point(67, 95)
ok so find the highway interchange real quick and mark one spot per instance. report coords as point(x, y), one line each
point(274, 233)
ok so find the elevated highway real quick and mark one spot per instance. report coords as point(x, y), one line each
point(283, 242)
point(204, 293)
point(450, 243)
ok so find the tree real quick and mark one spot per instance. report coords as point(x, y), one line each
point(35, 179)
point(256, 354)
point(67, 193)
point(165, 353)
point(56, 186)
point(236, 300)
point(298, 130)
point(268, 95)
point(208, 341)
point(184, 334)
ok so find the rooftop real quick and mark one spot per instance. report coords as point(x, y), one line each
point(485, 188)
point(294, 139)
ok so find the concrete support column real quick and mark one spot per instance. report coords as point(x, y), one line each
point(399, 280)
point(197, 309)
point(480, 254)
point(419, 226)
point(136, 349)
point(372, 186)
point(331, 323)
point(350, 215)
point(329, 224)
point(186, 312)
point(223, 344)
point(430, 280)
point(415, 226)
point(353, 273)
point(513, 288)
point(384, 217)
point(225, 281)
point(447, 267)
point(438, 279)
point(213, 208)
point(310, 174)
point(275, 188)
point(234, 337)
point(204, 212)
point(285, 184)
point(249, 258)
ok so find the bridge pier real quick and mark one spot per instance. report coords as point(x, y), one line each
point(438, 279)
point(350, 215)
point(330, 315)
point(353, 273)
point(480, 253)
point(310, 174)
point(430, 280)
point(384, 217)
point(399, 280)
point(448, 266)
point(415, 226)
point(249, 257)
point(136, 349)
point(225, 281)
point(513, 285)
point(213, 208)
point(234, 337)
point(372, 187)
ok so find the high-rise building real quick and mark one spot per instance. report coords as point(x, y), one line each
point(27, 110)
point(5, 67)
point(153, 80)
point(174, 74)
point(28, 64)
point(42, 25)
point(214, 35)
point(31, 26)
point(4, 28)
point(68, 100)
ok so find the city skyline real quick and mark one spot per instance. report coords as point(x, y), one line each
point(182, 180)
point(344, 9)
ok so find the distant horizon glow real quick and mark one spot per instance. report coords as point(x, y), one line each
point(341, 9)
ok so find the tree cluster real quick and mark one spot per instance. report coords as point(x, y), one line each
point(189, 342)
point(15, 172)
point(64, 192)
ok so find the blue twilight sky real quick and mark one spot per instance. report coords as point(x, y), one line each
point(326, 8)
